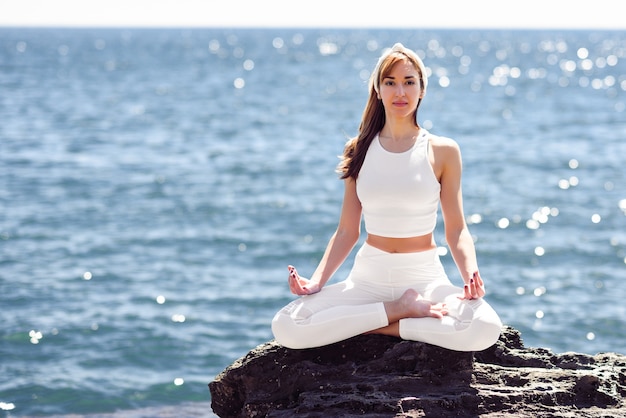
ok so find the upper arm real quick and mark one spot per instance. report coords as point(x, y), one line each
point(350, 219)
point(448, 168)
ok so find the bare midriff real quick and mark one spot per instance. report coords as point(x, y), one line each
point(402, 245)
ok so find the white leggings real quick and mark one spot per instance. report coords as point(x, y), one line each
point(355, 305)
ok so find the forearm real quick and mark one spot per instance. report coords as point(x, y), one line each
point(463, 252)
point(338, 249)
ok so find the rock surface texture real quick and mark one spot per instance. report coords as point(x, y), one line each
point(378, 376)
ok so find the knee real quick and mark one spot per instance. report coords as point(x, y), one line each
point(485, 334)
point(491, 337)
point(286, 332)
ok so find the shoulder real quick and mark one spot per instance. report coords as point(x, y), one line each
point(444, 147)
point(445, 158)
point(443, 142)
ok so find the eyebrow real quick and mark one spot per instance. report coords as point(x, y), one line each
point(393, 78)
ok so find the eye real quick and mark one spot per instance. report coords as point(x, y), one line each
point(388, 83)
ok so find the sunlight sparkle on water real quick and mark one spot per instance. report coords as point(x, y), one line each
point(565, 184)
point(475, 218)
point(503, 223)
point(532, 224)
point(178, 318)
point(35, 336)
point(444, 81)
point(541, 216)
point(248, 65)
point(328, 48)
point(278, 43)
point(214, 46)
point(7, 406)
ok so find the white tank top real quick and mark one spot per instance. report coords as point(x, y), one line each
point(399, 192)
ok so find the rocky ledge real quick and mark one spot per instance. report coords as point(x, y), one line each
point(378, 376)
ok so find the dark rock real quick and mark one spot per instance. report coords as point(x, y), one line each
point(378, 376)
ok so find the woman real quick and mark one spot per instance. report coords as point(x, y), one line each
point(396, 174)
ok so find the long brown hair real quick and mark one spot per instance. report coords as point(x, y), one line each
point(373, 118)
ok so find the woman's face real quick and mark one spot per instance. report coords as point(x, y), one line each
point(400, 90)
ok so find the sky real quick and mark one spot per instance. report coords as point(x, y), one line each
point(514, 14)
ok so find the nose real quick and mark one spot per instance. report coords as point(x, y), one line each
point(400, 90)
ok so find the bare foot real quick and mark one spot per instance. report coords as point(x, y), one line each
point(410, 305)
point(419, 308)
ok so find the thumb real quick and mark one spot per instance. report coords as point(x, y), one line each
point(466, 292)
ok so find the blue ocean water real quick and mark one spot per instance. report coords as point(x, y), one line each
point(154, 185)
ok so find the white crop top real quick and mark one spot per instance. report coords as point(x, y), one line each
point(399, 192)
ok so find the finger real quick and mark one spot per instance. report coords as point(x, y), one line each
point(481, 286)
point(478, 279)
point(293, 273)
point(294, 285)
point(476, 289)
point(292, 270)
point(300, 286)
point(480, 291)
point(472, 288)
point(298, 289)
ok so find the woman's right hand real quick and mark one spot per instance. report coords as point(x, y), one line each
point(299, 285)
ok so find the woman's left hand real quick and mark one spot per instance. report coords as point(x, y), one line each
point(475, 289)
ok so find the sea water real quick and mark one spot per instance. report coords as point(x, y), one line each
point(155, 184)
